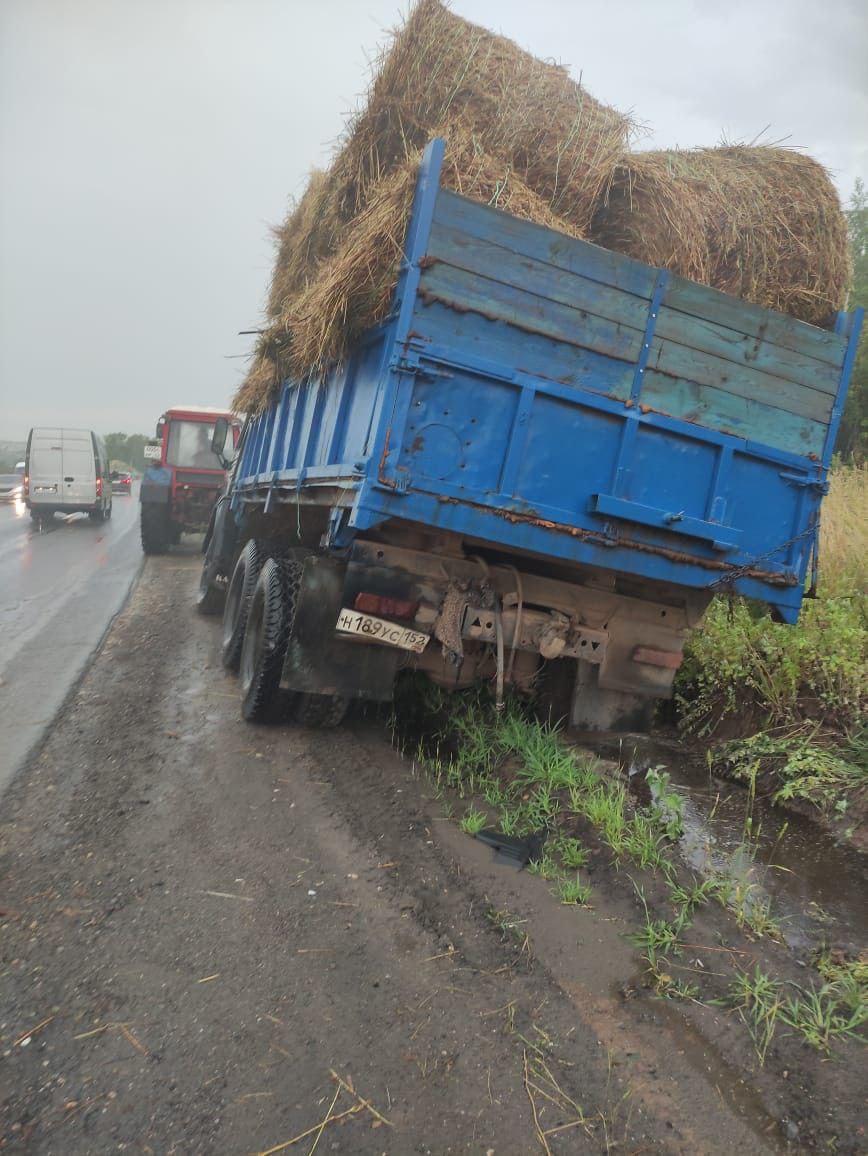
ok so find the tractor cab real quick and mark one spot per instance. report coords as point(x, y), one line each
point(183, 475)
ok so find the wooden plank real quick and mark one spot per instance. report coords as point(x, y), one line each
point(496, 301)
point(742, 381)
point(742, 316)
point(743, 349)
point(546, 245)
point(531, 353)
point(742, 417)
point(481, 256)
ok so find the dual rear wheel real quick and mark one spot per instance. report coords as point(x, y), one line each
point(258, 621)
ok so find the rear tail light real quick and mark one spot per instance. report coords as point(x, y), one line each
point(26, 485)
point(400, 608)
point(99, 487)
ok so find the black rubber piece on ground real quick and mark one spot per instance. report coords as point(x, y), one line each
point(512, 850)
point(269, 624)
point(238, 598)
point(155, 530)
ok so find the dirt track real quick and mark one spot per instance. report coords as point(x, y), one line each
point(204, 920)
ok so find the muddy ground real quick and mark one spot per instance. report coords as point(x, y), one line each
point(215, 936)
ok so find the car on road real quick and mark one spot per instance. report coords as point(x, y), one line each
point(11, 487)
point(67, 471)
point(122, 482)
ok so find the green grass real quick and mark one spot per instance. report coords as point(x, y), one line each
point(473, 820)
point(573, 891)
point(759, 1002)
point(793, 699)
point(826, 1013)
point(525, 773)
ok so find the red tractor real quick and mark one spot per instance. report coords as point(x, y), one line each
point(183, 475)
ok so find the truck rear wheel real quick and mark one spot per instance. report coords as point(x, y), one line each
point(269, 624)
point(155, 529)
point(238, 598)
point(319, 710)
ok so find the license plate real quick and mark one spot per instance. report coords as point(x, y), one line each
point(378, 630)
point(154, 453)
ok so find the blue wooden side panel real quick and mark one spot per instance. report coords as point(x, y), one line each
point(322, 427)
point(586, 314)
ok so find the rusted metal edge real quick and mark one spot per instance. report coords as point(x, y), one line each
point(774, 579)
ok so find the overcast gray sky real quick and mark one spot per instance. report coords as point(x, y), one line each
point(146, 146)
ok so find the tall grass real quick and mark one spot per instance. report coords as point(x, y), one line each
point(792, 699)
point(844, 532)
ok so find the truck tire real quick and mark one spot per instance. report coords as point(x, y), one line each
point(155, 530)
point(319, 710)
point(96, 515)
point(238, 596)
point(269, 624)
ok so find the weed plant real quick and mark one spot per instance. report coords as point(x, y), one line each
point(793, 698)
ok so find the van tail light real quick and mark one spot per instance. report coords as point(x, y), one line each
point(99, 487)
point(400, 608)
point(26, 485)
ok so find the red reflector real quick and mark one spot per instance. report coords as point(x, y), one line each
point(389, 607)
point(671, 659)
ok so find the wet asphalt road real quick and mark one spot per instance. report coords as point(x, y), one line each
point(59, 591)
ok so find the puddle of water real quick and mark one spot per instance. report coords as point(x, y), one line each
point(815, 885)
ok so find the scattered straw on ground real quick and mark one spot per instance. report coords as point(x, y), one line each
point(762, 223)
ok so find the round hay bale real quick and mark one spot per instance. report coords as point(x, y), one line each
point(306, 236)
point(352, 289)
point(443, 72)
point(762, 223)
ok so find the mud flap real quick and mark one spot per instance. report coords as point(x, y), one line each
point(317, 659)
point(596, 708)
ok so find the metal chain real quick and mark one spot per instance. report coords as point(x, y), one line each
point(742, 571)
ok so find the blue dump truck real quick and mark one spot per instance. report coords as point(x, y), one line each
point(537, 472)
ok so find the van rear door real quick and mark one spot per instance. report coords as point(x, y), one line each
point(46, 467)
point(79, 470)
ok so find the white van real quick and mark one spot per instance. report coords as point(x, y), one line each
point(66, 471)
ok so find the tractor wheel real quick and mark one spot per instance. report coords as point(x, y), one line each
point(155, 530)
point(319, 710)
point(238, 597)
point(269, 625)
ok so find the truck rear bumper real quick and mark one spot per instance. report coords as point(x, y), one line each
point(480, 619)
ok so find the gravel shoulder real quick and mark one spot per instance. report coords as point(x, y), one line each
point(205, 924)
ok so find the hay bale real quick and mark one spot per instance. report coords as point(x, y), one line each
point(302, 240)
point(353, 288)
point(521, 135)
point(442, 75)
point(762, 223)
point(441, 71)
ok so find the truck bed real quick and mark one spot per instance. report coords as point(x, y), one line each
point(539, 395)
